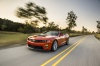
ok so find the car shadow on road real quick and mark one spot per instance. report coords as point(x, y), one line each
point(60, 48)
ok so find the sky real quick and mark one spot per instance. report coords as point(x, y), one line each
point(88, 11)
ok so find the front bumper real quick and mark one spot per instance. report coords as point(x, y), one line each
point(42, 46)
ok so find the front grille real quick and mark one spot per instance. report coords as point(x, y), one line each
point(40, 41)
point(35, 47)
point(38, 47)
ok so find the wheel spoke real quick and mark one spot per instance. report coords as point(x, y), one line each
point(55, 45)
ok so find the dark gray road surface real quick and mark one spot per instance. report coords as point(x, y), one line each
point(87, 53)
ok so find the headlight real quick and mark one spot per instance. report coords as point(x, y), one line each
point(30, 39)
point(48, 41)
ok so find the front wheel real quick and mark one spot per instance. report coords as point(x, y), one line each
point(54, 46)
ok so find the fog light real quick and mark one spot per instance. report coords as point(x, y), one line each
point(46, 45)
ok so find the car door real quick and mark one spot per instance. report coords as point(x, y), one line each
point(66, 36)
point(61, 36)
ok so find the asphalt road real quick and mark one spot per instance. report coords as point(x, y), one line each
point(86, 52)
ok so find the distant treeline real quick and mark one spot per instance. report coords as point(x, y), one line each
point(8, 25)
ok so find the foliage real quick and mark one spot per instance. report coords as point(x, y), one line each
point(26, 29)
point(53, 26)
point(98, 26)
point(33, 13)
point(71, 20)
point(8, 25)
point(3, 27)
point(84, 30)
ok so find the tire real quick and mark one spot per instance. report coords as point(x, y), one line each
point(54, 46)
point(67, 42)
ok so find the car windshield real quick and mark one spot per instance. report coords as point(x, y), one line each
point(55, 33)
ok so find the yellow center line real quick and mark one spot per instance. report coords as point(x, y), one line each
point(60, 53)
point(55, 64)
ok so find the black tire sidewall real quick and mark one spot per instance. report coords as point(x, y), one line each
point(67, 41)
point(52, 48)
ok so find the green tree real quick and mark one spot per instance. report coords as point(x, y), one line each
point(26, 29)
point(32, 13)
point(71, 20)
point(3, 27)
point(84, 30)
point(53, 26)
point(98, 26)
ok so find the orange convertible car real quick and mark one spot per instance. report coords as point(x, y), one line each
point(50, 40)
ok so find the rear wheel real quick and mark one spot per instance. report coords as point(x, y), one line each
point(67, 41)
point(54, 46)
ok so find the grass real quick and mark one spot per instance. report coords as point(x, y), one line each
point(74, 34)
point(97, 36)
point(10, 38)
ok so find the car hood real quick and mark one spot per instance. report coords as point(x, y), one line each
point(43, 37)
